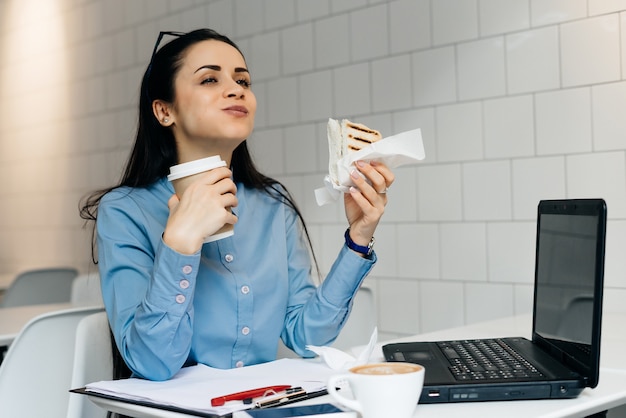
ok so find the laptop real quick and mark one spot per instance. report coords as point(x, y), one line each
point(563, 356)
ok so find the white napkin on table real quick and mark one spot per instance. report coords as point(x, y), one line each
point(340, 360)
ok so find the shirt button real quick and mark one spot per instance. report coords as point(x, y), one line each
point(187, 269)
point(229, 258)
point(184, 284)
point(245, 330)
point(245, 290)
point(180, 298)
point(239, 364)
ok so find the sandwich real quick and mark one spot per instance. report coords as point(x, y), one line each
point(346, 137)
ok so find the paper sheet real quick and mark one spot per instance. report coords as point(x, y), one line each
point(193, 387)
point(395, 151)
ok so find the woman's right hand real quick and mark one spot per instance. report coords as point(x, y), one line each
point(203, 209)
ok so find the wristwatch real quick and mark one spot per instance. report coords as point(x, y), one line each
point(359, 248)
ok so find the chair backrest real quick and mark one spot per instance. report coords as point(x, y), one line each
point(357, 330)
point(34, 287)
point(86, 290)
point(361, 323)
point(93, 361)
point(36, 373)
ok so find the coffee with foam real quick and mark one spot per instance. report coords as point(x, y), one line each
point(386, 368)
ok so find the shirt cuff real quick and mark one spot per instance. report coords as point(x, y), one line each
point(173, 280)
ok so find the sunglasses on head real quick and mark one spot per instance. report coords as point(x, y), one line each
point(158, 42)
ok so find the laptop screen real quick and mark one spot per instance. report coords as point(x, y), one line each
point(569, 278)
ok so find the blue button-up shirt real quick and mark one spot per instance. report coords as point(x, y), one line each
point(225, 306)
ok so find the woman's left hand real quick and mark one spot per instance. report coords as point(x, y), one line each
point(365, 203)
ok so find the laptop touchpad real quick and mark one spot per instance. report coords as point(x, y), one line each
point(413, 356)
point(419, 356)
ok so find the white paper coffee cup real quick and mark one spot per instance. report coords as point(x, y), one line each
point(182, 175)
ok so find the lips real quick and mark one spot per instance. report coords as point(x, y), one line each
point(238, 110)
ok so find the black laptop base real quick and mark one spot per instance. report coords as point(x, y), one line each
point(483, 393)
point(437, 389)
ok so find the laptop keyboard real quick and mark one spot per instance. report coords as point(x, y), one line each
point(485, 360)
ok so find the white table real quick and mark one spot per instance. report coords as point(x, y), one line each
point(610, 392)
point(13, 319)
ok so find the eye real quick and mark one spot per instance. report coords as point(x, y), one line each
point(244, 82)
point(209, 80)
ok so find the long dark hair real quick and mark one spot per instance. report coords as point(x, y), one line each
point(155, 150)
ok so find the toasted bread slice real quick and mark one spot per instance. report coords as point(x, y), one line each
point(345, 137)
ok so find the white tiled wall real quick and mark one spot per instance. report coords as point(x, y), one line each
point(518, 100)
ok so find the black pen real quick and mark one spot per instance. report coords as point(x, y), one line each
point(272, 395)
point(289, 395)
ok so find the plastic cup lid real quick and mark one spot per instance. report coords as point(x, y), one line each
point(195, 167)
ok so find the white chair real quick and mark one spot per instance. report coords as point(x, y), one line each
point(361, 323)
point(357, 330)
point(93, 361)
point(86, 290)
point(36, 373)
point(34, 287)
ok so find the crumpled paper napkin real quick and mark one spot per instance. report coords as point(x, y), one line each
point(401, 149)
point(340, 360)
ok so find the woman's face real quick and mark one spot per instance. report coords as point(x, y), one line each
point(213, 105)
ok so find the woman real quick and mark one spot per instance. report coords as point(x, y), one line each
point(172, 300)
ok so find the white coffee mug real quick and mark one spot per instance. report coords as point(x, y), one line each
point(381, 390)
point(182, 175)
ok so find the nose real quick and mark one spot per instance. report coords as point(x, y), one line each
point(234, 89)
point(240, 95)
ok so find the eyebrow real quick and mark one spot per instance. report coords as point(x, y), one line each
point(218, 68)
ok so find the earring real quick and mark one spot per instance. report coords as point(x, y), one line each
point(166, 120)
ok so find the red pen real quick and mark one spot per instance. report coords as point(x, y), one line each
point(248, 394)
